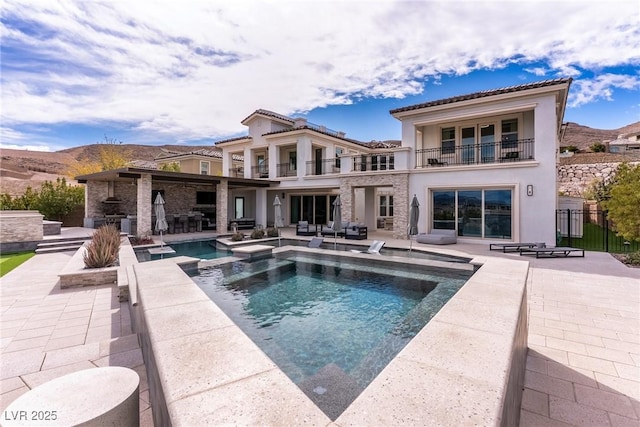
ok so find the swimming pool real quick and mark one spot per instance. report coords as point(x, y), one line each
point(210, 249)
point(203, 249)
point(331, 324)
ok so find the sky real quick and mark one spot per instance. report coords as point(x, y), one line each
point(188, 72)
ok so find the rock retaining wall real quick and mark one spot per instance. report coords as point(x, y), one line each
point(574, 180)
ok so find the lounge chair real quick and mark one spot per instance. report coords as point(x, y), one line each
point(375, 248)
point(515, 247)
point(315, 242)
point(438, 237)
point(553, 252)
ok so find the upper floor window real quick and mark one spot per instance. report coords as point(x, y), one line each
point(339, 152)
point(204, 167)
point(448, 140)
point(510, 133)
point(293, 160)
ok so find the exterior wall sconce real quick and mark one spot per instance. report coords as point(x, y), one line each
point(529, 190)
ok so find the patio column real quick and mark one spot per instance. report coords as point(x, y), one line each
point(222, 206)
point(261, 206)
point(144, 205)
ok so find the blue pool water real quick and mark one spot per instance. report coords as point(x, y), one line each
point(331, 326)
point(206, 249)
point(203, 249)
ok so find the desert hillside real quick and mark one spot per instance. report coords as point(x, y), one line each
point(22, 168)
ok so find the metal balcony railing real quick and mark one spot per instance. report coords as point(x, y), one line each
point(286, 169)
point(237, 172)
point(492, 152)
point(323, 166)
point(261, 171)
point(374, 162)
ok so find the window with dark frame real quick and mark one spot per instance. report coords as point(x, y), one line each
point(448, 140)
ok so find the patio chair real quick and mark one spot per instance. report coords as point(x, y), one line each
point(375, 248)
point(315, 242)
point(304, 229)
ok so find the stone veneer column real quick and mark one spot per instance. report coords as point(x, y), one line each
point(222, 206)
point(95, 192)
point(144, 205)
point(400, 184)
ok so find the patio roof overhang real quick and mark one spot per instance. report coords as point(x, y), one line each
point(127, 174)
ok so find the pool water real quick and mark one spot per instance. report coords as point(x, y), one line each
point(331, 326)
point(203, 249)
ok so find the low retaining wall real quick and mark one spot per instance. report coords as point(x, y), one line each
point(20, 230)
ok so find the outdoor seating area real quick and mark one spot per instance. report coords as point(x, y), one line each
point(181, 223)
point(303, 228)
point(349, 230)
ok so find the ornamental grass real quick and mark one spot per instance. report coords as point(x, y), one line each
point(103, 249)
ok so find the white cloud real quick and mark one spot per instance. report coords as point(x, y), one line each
point(601, 87)
point(193, 70)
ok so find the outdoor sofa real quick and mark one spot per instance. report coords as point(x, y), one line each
point(350, 230)
point(438, 237)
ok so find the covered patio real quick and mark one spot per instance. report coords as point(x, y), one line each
point(193, 203)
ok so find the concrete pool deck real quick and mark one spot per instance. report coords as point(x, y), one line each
point(584, 328)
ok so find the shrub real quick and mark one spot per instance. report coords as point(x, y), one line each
point(237, 236)
point(272, 232)
point(258, 233)
point(571, 148)
point(103, 249)
point(598, 147)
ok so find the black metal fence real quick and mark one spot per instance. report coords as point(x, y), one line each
point(591, 230)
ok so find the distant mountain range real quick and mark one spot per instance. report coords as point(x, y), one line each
point(20, 168)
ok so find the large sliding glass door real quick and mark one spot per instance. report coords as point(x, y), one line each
point(317, 209)
point(482, 213)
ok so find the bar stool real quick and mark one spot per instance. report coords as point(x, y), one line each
point(183, 223)
point(171, 226)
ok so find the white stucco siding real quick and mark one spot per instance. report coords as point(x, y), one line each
point(533, 217)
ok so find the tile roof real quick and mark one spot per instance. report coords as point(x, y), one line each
point(217, 154)
point(239, 138)
point(482, 94)
point(269, 114)
point(316, 129)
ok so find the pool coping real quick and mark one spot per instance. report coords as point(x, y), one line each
point(466, 366)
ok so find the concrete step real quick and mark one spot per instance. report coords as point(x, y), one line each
point(55, 249)
point(62, 245)
point(46, 244)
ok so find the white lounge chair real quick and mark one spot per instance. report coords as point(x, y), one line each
point(315, 242)
point(375, 248)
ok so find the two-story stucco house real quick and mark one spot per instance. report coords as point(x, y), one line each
point(483, 164)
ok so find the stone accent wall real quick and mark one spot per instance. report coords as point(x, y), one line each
point(222, 202)
point(574, 180)
point(144, 205)
point(20, 226)
point(400, 184)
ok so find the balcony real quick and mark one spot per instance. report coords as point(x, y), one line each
point(374, 162)
point(261, 171)
point(323, 166)
point(484, 153)
point(286, 169)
